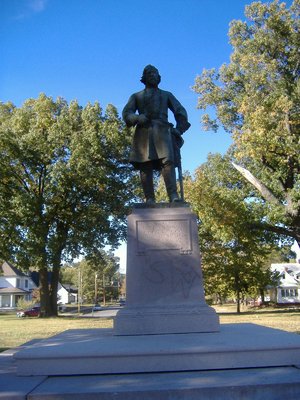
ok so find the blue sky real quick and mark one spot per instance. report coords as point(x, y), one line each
point(96, 50)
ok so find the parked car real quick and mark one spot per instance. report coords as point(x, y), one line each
point(32, 312)
point(61, 307)
point(122, 302)
point(97, 307)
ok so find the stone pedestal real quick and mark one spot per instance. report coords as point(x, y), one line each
point(164, 280)
point(166, 342)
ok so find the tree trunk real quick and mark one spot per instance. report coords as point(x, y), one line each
point(238, 301)
point(44, 292)
point(263, 190)
point(298, 242)
point(262, 295)
point(61, 239)
point(237, 291)
point(53, 289)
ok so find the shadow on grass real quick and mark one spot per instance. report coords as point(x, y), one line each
point(4, 349)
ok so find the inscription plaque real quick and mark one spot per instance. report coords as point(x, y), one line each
point(172, 234)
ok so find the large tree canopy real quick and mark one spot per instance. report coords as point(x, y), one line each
point(64, 184)
point(233, 253)
point(256, 97)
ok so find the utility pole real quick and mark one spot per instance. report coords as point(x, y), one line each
point(79, 295)
point(96, 288)
point(78, 292)
point(104, 294)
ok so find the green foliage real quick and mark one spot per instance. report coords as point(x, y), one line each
point(100, 277)
point(256, 97)
point(95, 277)
point(25, 304)
point(233, 250)
point(161, 195)
point(69, 274)
point(65, 184)
point(281, 254)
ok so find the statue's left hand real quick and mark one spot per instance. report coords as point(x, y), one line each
point(176, 132)
point(142, 119)
point(178, 137)
point(182, 125)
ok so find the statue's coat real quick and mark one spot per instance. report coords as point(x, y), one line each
point(153, 141)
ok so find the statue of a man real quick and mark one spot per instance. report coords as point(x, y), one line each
point(154, 138)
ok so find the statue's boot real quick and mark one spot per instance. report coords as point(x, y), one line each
point(169, 175)
point(146, 174)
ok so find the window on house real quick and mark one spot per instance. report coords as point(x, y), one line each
point(26, 283)
point(18, 283)
point(289, 292)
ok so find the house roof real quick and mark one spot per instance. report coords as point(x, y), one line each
point(68, 287)
point(288, 285)
point(289, 273)
point(289, 267)
point(10, 270)
point(12, 290)
point(35, 276)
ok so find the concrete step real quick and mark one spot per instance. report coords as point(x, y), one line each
point(99, 351)
point(245, 384)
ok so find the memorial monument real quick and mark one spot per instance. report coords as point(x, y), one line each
point(166, 342)
point(164, 280)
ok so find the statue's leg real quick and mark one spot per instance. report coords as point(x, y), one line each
point(146, 174)
point(169, 175)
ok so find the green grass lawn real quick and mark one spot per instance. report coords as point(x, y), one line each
point(16, 331)
point(285, 319)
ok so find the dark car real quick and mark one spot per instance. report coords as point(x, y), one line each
point(122, 302)
point(32, 312)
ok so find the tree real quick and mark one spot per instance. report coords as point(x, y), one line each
point(99, 276)
point(69, 274)
point(282, 254)
point(233, 254)
point(65, 185)
point(96, 277)
point(256, 97)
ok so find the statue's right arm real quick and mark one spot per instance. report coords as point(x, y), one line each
point(129, 112)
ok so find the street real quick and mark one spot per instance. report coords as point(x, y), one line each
point(105, 312)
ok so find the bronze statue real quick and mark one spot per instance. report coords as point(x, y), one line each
point(156, 142)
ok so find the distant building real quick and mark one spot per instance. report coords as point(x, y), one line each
point(14, 285)
point(66, 293)
point(288, 290)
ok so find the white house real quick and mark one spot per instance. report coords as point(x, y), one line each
point(66, 294)
point(14, 285)
point(288, 291)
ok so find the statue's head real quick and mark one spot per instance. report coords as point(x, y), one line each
point(151, 76)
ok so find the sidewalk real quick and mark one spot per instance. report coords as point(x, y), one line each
point(13, 387)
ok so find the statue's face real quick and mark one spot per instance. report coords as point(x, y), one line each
point(152, 77)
